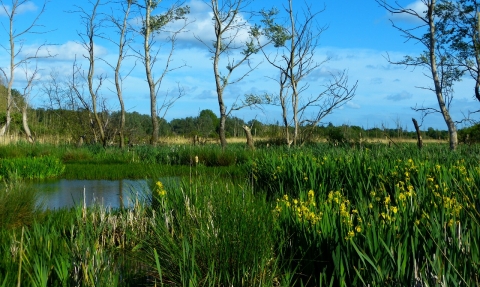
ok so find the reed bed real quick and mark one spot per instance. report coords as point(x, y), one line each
point(316, 216)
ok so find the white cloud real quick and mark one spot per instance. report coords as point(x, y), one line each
point(404, 95)
point(26, 7)
point(206, 94)
point(417, 7)
point(323, 72)
point(376, 81)
point(200, 27)
point(64, 52)
point(352, 105)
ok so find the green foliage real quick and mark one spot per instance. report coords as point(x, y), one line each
point(23, 149)
point(275, 32)
point(158, 22)
point(469, 135)
point(74, 248)
point(458, 23)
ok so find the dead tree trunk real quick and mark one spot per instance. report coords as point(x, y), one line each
point(26, 128)
point(248, 134)
point(419, 136)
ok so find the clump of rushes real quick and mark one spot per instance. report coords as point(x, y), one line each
point(19, 204)
point(217, 234)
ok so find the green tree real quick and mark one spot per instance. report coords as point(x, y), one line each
point(184, 127)
point(256, 126)
point(207, 123)
point(234, 127)
point(459, 21)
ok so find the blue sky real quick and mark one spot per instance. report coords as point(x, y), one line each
point(358, 38)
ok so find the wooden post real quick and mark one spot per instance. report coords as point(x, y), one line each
point(419, 136)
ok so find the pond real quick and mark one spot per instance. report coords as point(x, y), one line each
point(65, 193)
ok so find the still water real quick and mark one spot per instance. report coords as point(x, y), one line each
point(109, 193)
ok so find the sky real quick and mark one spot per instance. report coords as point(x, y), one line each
point(359, 37)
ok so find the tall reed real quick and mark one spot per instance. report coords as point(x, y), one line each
point(211, 233)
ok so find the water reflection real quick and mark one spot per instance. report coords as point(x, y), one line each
point(110, 193)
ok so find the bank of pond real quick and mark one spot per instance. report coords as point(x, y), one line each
point(312, 216)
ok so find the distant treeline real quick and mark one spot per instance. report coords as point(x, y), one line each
point(78, 124)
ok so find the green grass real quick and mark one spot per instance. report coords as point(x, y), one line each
point(142, 171)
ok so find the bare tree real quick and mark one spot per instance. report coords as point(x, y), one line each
point(153, 25)
point(229, 24)
point(121, 26)
point(294, 58)
point(63, 101)
point(27, 91)
point(11, 11)
point(442, 70)
point(92, 24)
point(77, 87)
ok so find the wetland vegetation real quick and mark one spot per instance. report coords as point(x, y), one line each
point(313, 216)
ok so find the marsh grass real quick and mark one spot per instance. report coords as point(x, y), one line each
point(31, 167)
point(75, 248)
point(315, 216)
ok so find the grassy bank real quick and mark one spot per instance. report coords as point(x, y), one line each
point(40, 161)
point(316, 216)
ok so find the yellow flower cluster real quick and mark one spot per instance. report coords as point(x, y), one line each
point(348, 215)
point(278, 172)
point(160, 189)
point(406, 191)
point(305, 211)
point(461, 171)
point(387, 211)
point(450, 203)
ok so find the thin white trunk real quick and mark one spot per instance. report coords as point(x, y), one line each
point(151, 83)
point(452, 130)
point(26, 128)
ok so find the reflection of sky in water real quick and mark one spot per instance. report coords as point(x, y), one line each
point(109, 193)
